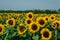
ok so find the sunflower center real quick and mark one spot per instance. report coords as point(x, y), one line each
point(34, 26)
point(46, 18)
point(53, 26)
point(56, 24)
point(28, 21)
point(46, 34)
point(22, 28)
point(10, 22)
point(0, 29)
point(52, 17)
point(41, 22)
point(30, 16)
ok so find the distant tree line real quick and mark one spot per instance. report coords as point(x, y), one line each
point(34, 11)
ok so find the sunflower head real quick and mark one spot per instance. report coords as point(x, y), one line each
point(28, 21)
point(46, 34)
point(55, 24)
point(21, 29)
point(52, 17)
point(11, 22)
point(41, 21)
point(30, 15)
point(33, 27)
point(46, 18)
point(1, 29)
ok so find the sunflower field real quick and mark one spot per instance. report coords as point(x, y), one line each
point(29, 26)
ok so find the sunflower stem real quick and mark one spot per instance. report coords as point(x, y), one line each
point(6, 37)
point(55, 34)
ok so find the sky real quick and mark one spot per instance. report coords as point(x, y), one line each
point(29, 4)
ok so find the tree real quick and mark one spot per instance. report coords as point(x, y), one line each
point(59, 10)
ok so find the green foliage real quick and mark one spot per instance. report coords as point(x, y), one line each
point(34, 11)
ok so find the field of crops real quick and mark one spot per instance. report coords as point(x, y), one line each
point(29, 26)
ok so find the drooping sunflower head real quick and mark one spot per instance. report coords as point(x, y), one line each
point(11, 22)
point(41, 21)
point(34, 27)
point(52, 17)
point(30, 15)
point(46, 34)
point(28, 21)
point(55, 24)
point(21, 29)
point(1, 29)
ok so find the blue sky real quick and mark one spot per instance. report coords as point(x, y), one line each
point(29, 4)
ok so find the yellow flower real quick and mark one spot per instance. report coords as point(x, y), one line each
point(8, 16)
point(10, 22)
point(28, 22)
point(18, 20)
point(52, 17)
point(1, 29)
point(44, 14)
point(58, 19)
point(21, 29)
point(41, 21)
point(55, 24)
point(46, 18)
point(34, 27)
point(30, 15)
point(58, 14)
point(36, 15)
point(12, 14)
point(46, 34)
point(17, 14)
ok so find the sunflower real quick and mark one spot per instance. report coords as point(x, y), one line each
point(13, 14)
point(46, 18)
point(17, 14)
point(8, 16)
point(36, 15)
point(29, 15)
point(58, 19)
point(18, 20)
point(41, 21)
point(58, 14)
point(34, 27)
point(28, 21)
point(55, 24)
point(44, 14)
point(1, 29)
point(46, 34)
point(11, 22)
point(21, 29)
point(52, 17)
